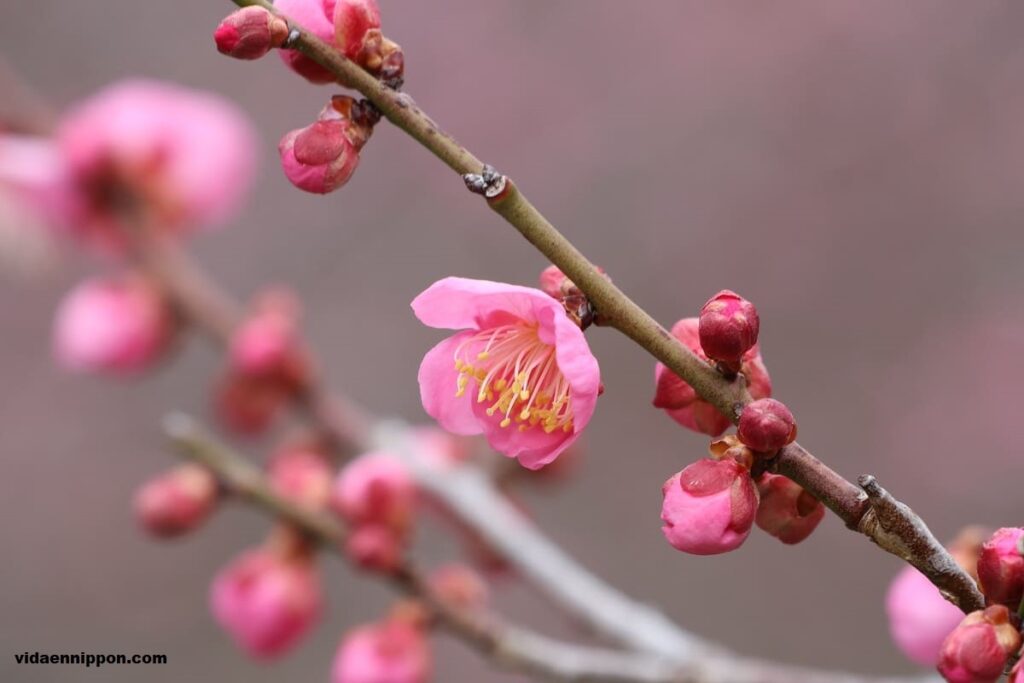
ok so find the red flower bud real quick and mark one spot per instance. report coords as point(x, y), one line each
point(766, 425)
point(1001, 568)
point(977, 650)
point(787, 511)
point(250, 33)
point(177, 501)
point(728, 327)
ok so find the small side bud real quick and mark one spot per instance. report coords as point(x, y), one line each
point(787, 511)
point(766, 425)
point(978, 649)
point(1001, 567)
point(728, 328)
point(375, 547)
point(176, 502)
point(301, 474)
point(250, 33)
point(709, 507)
point(459, 585)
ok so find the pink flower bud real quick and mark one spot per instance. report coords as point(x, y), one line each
point(766, 425)
point(919, 617)
point(250, 33)
point(301, 474)
point(322, 157)
point(375, 489)
point(352, 20)
point(1017, 673)
point(1001, 567)
point(390, 652)
point(267, 601)
point(246, 404)
point(787, 511)
point(680, 401)
point(267, 344)
point(375, 547)
point(176, 502)
point(728, 327)
point(709, 507)
point(977, 650)
point(119, 325)
point(459, 585)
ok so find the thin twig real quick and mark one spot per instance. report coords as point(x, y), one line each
point(619, 311)
point(511, 647)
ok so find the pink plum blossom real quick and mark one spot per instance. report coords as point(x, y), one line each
point(709, 507)
point(680, 401)
point(119, 325)
point(267, 600)
point(519, 371)
point(178, 158)
point(390, 652)
point(919, 617)
point(176, 502)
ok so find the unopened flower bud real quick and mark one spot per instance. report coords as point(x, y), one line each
point(375, 547)
point(352, 20)
point(375, 489)
point(267, 345)
point(250, 33)
point(246, 404)
point(787, 511)
point(176, 502)
point(709, 507)
point(302, 475)
point(766, 425)
point(322, 157)
point(1001, 567)
point(266, 601)
point(728, 327)
point(977, 650)
point(120, 325)
point(393, 651)
point(680, 401)
point(459, 585)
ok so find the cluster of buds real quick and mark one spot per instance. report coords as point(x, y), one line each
point(119, 325)
point(376, 497)
point(267, 364)
point(322, 157)
point(710, 506)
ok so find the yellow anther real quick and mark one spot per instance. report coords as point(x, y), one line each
point(524, 414)
point(506, 422)
point(501, 384)
point(483, 355)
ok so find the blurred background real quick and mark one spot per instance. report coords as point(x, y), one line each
point(852, 167)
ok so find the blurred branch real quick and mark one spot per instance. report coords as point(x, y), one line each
point(895, 528)
point(511, 647)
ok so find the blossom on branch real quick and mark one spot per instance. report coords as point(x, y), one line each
point(519, 371)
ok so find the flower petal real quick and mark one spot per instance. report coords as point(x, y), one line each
point(457, 303)
point(437, 378)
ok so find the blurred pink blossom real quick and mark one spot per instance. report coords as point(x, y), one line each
point(266, 600)
point(119, 325)
point(919, 617)
point(390, 652)
point(176, 502)
point(531, 379)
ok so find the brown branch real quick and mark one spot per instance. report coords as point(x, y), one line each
point(511, 647)
point(619, 311)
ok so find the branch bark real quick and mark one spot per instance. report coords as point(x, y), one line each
point(617, 310)
point(511, 647)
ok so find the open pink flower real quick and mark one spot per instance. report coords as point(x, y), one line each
point(341, 23)
point(519, 371)
point(680, 401)
point(177, 158)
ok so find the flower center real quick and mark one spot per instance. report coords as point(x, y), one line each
point(517, 374)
